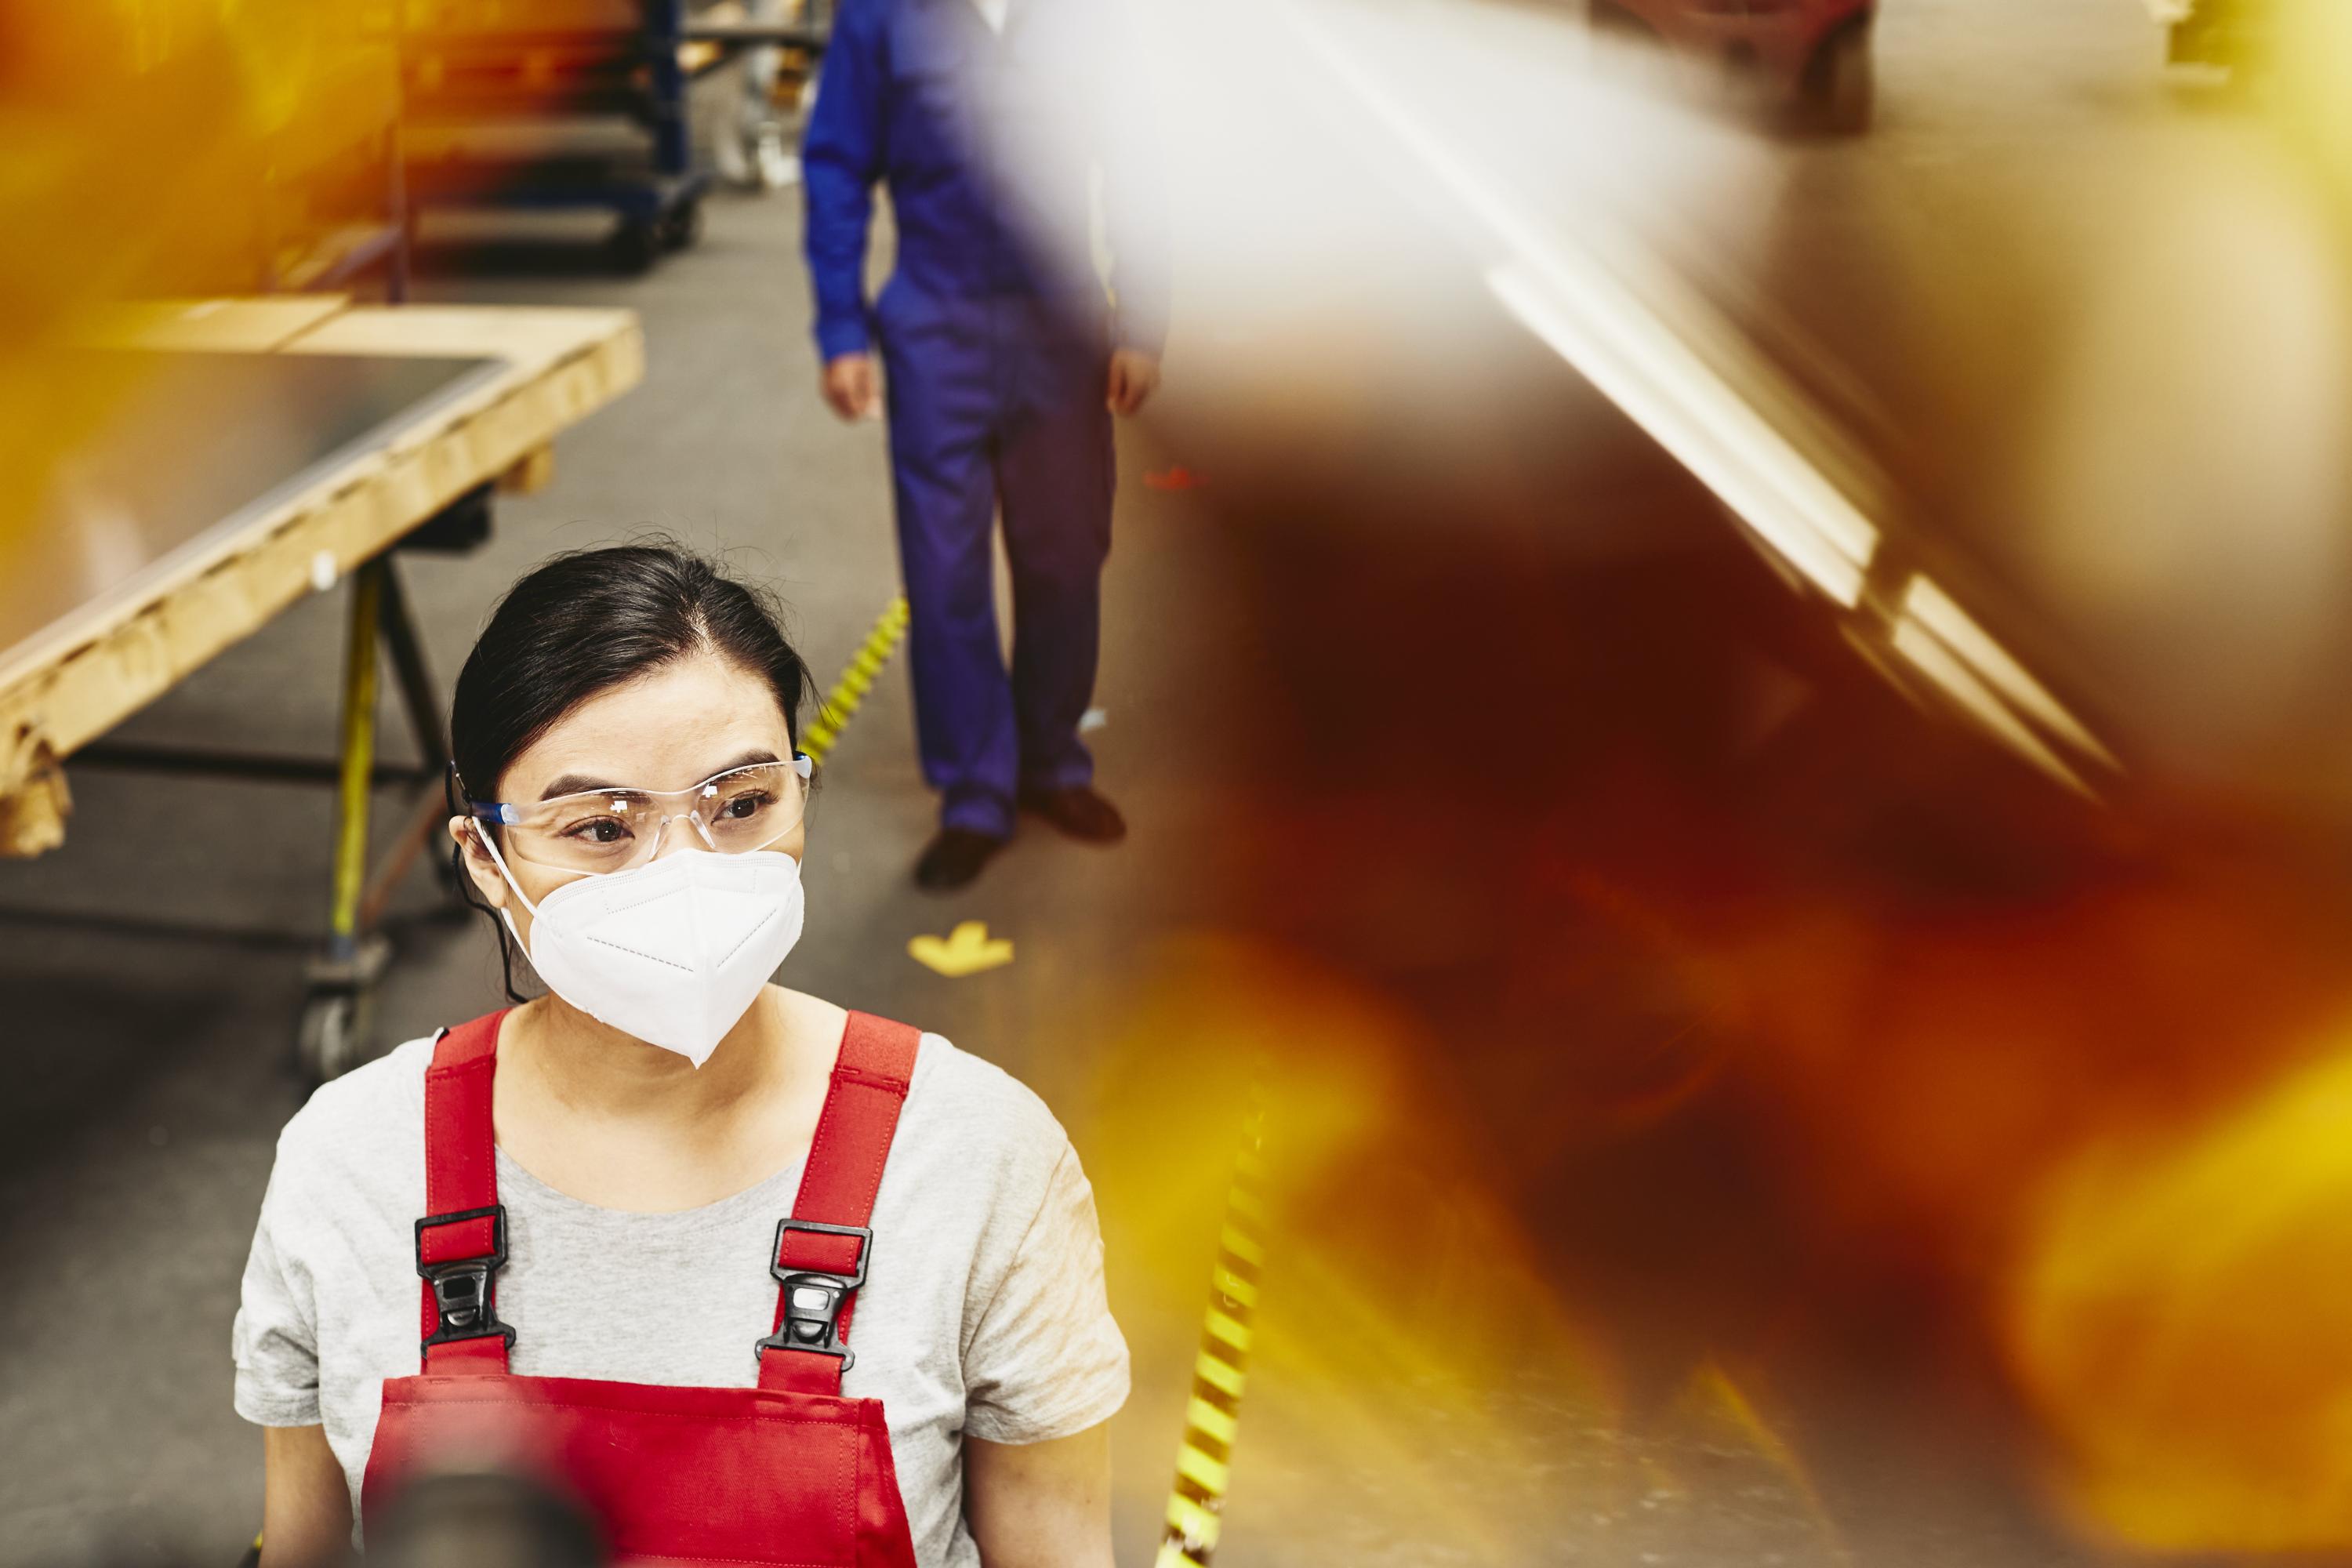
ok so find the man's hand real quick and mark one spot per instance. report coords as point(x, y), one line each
point(851, 386)
point(1134, 376)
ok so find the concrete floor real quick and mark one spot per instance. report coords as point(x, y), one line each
point(150, 970)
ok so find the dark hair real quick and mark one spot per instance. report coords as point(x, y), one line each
point(584, 623)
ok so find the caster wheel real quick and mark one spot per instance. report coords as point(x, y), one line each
point(333, 1036)
point(637, 245)
point(682, 228)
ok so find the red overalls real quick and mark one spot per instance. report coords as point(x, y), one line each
point(786, 1473)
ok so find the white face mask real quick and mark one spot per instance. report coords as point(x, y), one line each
point(672, 951)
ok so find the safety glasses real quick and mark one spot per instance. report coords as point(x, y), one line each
point(733, 813)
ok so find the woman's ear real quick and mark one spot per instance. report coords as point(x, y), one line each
point(478, 862)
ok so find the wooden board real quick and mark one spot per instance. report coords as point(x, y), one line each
point(59, 692)
point(234, 326)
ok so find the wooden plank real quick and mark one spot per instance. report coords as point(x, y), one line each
point(527, 335)
point(234, 326)
point(530, 476)
point(33, 820)
point(59, 693)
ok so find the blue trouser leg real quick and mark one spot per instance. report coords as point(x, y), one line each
point(1055, 478)
point(943, 402)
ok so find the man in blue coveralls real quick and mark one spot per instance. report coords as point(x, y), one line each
point(1004, 360)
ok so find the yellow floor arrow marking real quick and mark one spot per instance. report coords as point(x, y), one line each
point(967, 950)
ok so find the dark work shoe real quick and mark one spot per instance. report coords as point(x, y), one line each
point(954, 858)
point(1078, 812)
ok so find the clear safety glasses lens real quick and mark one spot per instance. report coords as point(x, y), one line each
point(614, 829)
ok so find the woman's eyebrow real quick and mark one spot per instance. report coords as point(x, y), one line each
point(752, 758)
point(582, 784)
point(575, 783)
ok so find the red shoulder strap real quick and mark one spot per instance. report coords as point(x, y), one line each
point(821, 1252)
point(461, 1242)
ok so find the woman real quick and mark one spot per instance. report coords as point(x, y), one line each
point(616, 1283)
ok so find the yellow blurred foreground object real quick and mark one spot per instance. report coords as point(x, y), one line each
point(171, 147)
point(2314, 49)
point(2181, 1324)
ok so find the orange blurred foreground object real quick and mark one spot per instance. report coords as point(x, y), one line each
point(167, 148)
point(2182, 1326)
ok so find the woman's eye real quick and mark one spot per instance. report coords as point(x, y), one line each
point(598, 830)
point(744, 806)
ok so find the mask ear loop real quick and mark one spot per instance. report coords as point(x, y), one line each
point(487, 842)
point(461, 805)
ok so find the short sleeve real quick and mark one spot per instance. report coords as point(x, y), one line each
point(1046, 1359)
point(276, 1337)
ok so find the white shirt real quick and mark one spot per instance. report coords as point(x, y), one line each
point(983, 1311)
point(992, 13)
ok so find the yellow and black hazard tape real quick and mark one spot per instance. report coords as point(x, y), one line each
point(1212, 1418)
point(840, 704)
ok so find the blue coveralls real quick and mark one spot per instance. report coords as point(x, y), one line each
point(995, 334)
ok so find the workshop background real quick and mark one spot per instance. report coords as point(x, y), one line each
point(1725, 650)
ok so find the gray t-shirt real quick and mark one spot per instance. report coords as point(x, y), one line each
point(983, 1311)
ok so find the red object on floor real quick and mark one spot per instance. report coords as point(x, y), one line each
point(787, 1473)
point(1176, 478)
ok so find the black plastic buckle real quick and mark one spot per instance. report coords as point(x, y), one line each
point(463, 1287)
point(813, 1299)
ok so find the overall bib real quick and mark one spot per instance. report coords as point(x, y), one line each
point(786, 1473)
